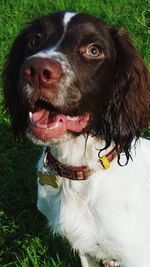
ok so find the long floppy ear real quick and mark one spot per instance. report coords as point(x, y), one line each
point(10, 76)
point(129, 104)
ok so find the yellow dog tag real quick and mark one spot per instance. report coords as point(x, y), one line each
point(105, 162)
point(47, 179)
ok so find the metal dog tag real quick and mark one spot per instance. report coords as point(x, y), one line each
point(47, 179)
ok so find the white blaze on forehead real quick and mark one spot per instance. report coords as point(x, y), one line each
point(67, 17)
point(47, 53)
point(53, 51)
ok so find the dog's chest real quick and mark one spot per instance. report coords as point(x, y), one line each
point(71, 212)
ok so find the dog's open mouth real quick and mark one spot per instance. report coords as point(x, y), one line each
point(46, 121)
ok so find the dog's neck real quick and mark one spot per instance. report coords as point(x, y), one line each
point(79, 151)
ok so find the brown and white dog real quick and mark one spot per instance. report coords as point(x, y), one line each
point(78, 87)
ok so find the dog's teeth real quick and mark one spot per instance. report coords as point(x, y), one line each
point(30, 115)
point(72, 118)
point(31, 120)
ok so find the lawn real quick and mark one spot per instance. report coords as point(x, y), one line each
point(25, 239)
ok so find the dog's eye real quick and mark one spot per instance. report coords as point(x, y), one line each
point(92, 51)
point(34, 41)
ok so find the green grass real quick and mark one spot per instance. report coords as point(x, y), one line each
point(25, 239)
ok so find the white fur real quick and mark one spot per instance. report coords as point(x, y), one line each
point(106, 216)
point(53, 51)
point(67, 17)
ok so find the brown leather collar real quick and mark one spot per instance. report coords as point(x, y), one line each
point(77, 173)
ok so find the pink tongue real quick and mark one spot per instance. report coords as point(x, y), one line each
point(42, 120)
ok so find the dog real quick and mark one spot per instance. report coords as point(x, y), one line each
point(78, 87)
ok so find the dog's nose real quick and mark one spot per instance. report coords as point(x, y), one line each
point(41, 71)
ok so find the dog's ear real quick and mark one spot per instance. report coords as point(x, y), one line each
point(10, 77)
point(129, 105)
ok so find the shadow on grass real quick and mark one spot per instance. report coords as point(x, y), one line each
point(23, 229)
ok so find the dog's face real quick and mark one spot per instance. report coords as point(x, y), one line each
point(68, 63)
point(71, 73)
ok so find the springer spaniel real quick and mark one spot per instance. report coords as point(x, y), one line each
point(78, 87)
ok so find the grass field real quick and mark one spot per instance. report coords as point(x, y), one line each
point(24, 237)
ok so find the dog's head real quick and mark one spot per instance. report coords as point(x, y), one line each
point(71, 73)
